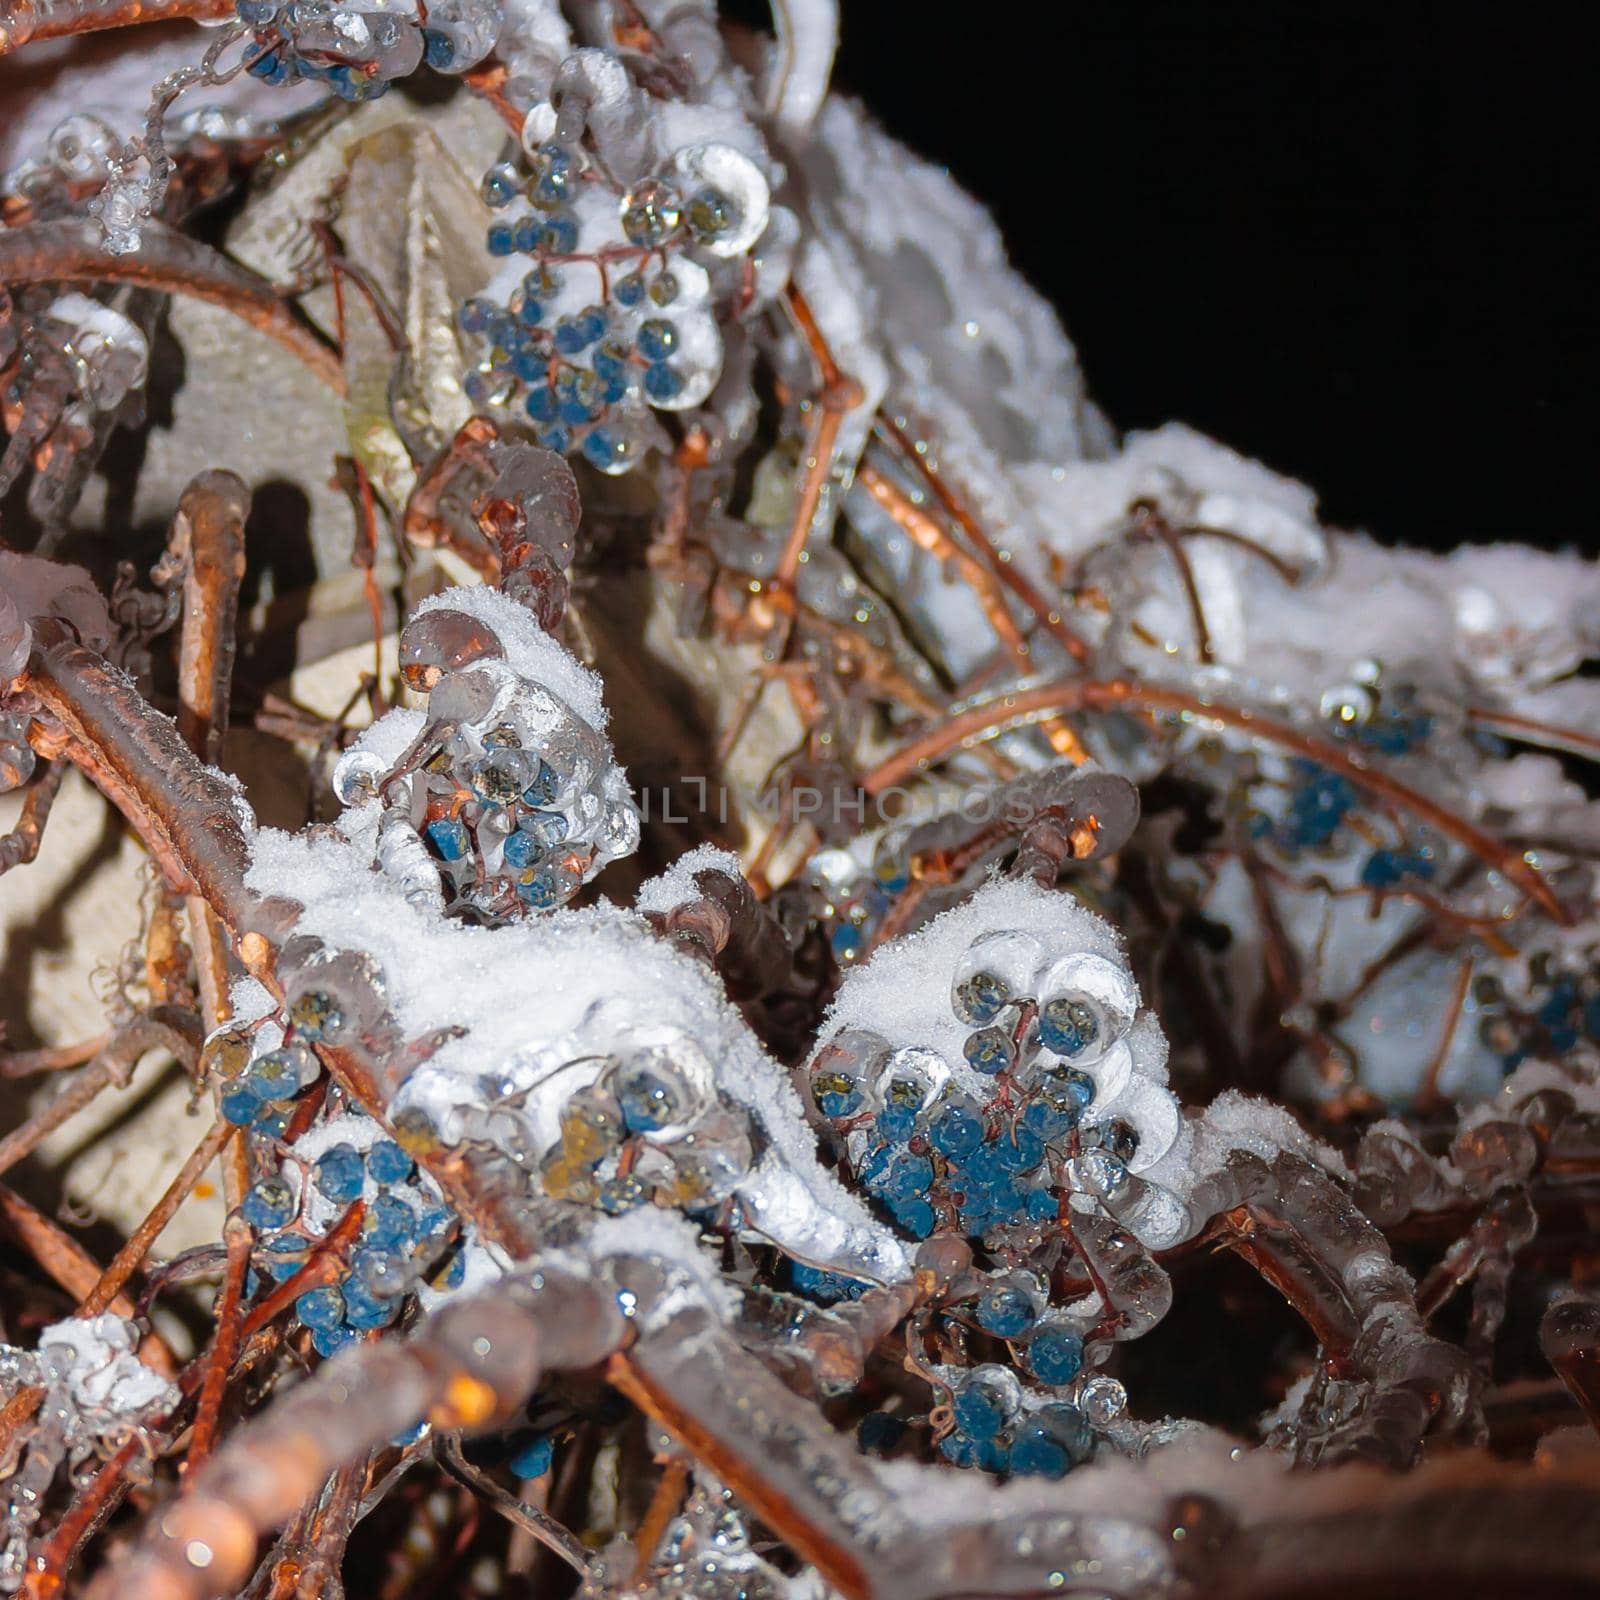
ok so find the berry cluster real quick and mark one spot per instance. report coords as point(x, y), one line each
point(605, 313)
point(358, 51)
point(995, 1428)
point(259, 1090)
point(407, 1238)
point(648, 1128)
point(941, 1160)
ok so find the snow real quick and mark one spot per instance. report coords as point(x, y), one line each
point(676, 886)
point(565, 988)
point(95, 1359)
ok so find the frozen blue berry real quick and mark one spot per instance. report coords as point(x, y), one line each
point(1055, 1353)
point(531, 1456)
point(388, 1163)
point(339, 1174)
point(320, 1309)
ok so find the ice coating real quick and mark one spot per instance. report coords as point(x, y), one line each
point(95, 1359)
point(530, 651)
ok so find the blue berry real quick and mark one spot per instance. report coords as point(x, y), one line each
point(914, 1214)
point(1055, 1353)
point(339, 1174)
point(981, 997)
point(499, 186)
point(531, 1457)
point(1006, 1311)
point(530, 364)
point(279, 1073)
point(647, 1100)
point(543, 889)
point(576, 407)
point(521, 850)
point(956, 1132)
point(989, 1051)
point(544, 788)
point(657, 339)
point(268, 64)
point(546, 828)
point(1042, 1206)
point(848, 938)
point(282, 1255)
point(896, 1121)
point(1044, 1121)
point(629, 291)
point(320, 1309)
point(912, 1175)
point(541, 404)
point(879, 1431)
point(527, 235)
point(604, 449)
point(572, 334)
point(382, 1273)
point(554, 167)
point(824, 1286)
point(661, 383)
point(268, 1205)
point(448, 838)
point(1021, 1151)
point(272, 1119)
point(1381, 870)
point(329, 1341)
point(390, 1224)
point(388, 1163)
point(501, 239)
point(609, 361)
point(240, 1103)
point(530, 312)
point(837, 1094)
point(473, 317)
point(979, 1409)
point(1036, 1453)
point(363, 1309)
point(1067, 1027)
point(1067, 1091)
point(559, 235)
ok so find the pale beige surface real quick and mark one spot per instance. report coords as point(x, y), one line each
point(64, 924)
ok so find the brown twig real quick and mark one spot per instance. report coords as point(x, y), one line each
point(128, 1259)
point(1000, 563)
point(224, 1343)
point(52, 1058)
point(1017, 707)
point(1427, 1096)
point(72, 252)
point(21, 845)
point(839, 395)
point(31, 21)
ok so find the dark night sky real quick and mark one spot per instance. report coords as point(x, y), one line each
point(1355, 240)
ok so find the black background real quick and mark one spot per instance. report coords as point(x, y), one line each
point(1357, 241)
